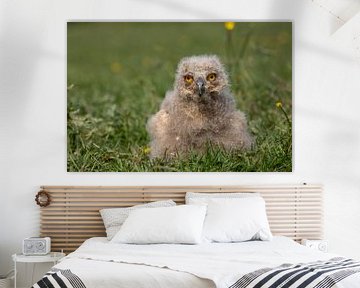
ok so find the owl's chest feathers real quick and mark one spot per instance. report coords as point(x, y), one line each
point(196, 119)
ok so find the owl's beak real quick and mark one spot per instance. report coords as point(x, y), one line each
point(201, 85)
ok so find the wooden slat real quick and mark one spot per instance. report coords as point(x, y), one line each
point(73, 216)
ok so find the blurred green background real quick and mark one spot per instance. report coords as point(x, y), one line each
point(118, 73)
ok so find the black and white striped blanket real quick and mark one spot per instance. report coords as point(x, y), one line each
point(59, 278)
point(320, 274)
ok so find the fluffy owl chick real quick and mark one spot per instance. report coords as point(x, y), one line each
point(199, 110)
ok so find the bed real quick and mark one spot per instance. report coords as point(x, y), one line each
point(294, 211)
point(99, 263)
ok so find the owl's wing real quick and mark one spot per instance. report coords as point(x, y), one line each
point(168, 100)
point(157, 124)
point(158, 127)
point(237, 130)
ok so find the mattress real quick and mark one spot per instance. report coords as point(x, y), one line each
point(99, 263)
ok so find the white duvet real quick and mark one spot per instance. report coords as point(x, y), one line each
point(100, 263)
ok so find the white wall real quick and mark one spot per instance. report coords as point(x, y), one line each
point(33, 104)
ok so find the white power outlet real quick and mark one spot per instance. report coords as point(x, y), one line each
point(320, 245)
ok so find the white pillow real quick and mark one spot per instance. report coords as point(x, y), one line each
point(204, 198)
point(113, 218)
point(236, 220)
point(180, 224)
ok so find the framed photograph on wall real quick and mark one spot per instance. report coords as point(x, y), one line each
point(179, 97)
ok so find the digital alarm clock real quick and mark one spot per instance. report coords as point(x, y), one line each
point(320, 245)
point(36, 246)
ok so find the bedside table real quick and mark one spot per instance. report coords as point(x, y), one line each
point(53, 257)
point(320, 245)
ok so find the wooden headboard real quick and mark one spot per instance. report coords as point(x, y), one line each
point(73, 215)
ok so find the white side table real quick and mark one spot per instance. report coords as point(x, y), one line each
point(53, 257)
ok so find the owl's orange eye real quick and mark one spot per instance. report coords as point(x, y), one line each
point(211, 77)
point(189, 79)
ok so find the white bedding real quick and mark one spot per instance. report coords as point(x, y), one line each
point(100, 263)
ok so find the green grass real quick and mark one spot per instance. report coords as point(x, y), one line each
point(118, 74)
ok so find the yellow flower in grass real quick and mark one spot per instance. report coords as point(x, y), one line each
point(229, 25)
point(147, 150)
point(278, 104)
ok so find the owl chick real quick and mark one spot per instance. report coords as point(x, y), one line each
point(199, 110)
